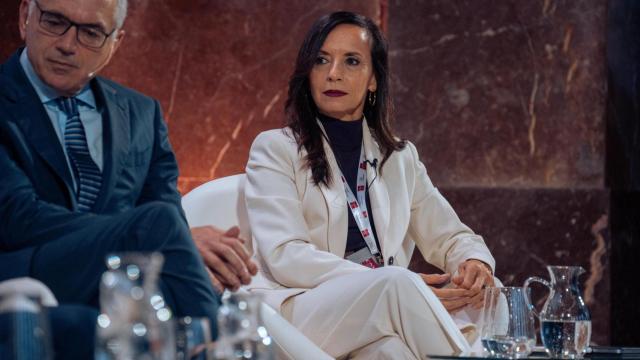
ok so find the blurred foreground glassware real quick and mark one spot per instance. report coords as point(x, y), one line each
point(241, 332)
point(193, 339)
point(134, 322)
point(507, 329)
point(565, 322)
point(24, 328)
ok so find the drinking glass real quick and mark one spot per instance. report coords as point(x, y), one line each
point(135, 322)
point(507, 328)
point(241, 332)
point(24, 328)
point(193, 339)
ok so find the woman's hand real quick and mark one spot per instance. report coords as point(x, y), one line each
point(453, 299)
point(474, 276)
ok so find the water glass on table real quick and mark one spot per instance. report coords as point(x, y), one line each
point(507, 324)
point(134, 321)
point(241, 332)
point(193, 339)
point(24, 328)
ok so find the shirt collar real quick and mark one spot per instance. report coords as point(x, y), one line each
point(46, 93)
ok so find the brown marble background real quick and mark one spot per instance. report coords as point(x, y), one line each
point(220, 69)
point(504, 100)
point(506, 93)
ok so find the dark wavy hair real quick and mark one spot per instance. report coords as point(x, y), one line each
point(301, 111)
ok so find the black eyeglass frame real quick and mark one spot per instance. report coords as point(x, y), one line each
point(72, 24)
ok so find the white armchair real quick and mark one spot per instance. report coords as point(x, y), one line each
point(221, 203)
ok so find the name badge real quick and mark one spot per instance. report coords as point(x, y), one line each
point(365, 258)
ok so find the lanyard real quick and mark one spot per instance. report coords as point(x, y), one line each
point(358, 206)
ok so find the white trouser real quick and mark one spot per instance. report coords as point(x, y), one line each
point(386, 313)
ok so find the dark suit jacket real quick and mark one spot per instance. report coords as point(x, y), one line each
point(36, 191)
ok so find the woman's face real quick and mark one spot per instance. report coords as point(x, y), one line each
point(343, 73)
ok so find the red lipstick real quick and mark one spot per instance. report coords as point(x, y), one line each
point(334, 93)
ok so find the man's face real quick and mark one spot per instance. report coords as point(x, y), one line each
point(61, 61)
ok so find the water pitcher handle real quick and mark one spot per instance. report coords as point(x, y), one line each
point(527, 293)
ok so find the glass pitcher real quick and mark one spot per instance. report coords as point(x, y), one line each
point(134, 322)
point(565, 322)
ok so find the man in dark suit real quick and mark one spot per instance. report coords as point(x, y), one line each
point(87, 168)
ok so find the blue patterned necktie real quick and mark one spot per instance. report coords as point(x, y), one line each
point(86, 172)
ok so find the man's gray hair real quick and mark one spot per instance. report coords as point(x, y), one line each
point(120, 15)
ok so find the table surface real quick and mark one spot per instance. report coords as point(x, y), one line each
point(602, 352)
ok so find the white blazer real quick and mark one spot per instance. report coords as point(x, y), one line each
point(300, 230)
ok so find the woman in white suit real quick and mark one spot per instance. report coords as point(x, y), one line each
point(337, 204)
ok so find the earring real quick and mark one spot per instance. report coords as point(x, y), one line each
point(372, 98)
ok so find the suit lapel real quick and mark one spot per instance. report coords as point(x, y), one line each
point(378, 193)
point(336, 201)
point(116, 135)
point(33, 120)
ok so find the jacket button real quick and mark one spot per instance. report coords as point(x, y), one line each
point(390, 260)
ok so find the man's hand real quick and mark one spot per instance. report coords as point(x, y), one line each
point(453, 299)
point(474, 276)
point(227, 261)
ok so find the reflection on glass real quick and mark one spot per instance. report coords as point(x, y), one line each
point(24, 328)
point(507, 328)
point(242, 335)
point(193, 338)
point(134, 322)
point(565, 322)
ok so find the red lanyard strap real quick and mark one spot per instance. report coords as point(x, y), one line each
point(358, 206)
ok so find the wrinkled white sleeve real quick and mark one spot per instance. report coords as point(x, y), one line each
point(442, 238)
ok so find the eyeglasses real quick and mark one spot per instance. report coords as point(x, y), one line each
point(56, 24)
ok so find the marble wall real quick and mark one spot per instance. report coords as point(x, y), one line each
point(220, 69)
point(504, 100)
point(9, 28)
point(506, 103)
point(502, 93)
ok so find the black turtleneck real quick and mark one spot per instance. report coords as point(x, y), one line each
point(345, 138)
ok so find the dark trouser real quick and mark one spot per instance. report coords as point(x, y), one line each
point(73, 265)
point(73, 330)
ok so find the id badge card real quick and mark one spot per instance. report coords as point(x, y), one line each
point(365, 258)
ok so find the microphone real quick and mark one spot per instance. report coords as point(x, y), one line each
point(93, 73)
point(374, 165)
